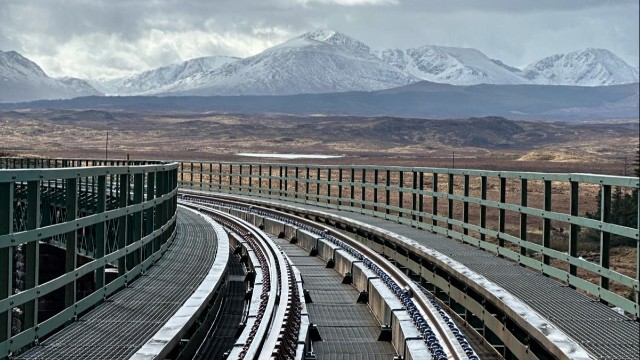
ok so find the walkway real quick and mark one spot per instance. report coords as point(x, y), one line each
point(119, 327)
point(348, 329)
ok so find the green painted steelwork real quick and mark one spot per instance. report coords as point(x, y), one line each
point(412, 195)
point(120, 214)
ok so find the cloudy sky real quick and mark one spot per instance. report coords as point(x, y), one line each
point(110, 38)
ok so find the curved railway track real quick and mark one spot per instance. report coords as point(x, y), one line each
point(273, 318)
point(442, 337)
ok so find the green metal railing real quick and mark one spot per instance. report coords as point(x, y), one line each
point(120, 215)
point(538, 220)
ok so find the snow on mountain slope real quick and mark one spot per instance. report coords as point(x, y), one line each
point(149, 82)
point(316, 62)
point(23, 80)
point(15, 66)
point(321, 61)
point(590, 67)
point(457, 66)
point(328, 61)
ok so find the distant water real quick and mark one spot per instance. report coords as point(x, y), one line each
point(291, 156)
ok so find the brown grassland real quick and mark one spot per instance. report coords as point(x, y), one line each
point(486, 143)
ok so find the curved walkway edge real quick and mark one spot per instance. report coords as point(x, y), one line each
point(125, 322)
point(171, 332)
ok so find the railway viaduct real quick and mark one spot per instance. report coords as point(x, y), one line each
point(105, 259)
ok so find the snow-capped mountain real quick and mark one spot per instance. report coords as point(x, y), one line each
point(154, 81)
point(23, 80)
point(316, 62)
point(450, 65)
point(590, 67)
point(322, 61)
point(328, 61)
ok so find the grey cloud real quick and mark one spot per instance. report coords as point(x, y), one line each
point(85, 37)
point(512, 6)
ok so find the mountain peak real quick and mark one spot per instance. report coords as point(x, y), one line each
point(587, 67)
point(335, 38)
point(323, 35)
point(14, 62)
point(451, 65)
point(11, 53)
point(23, 80)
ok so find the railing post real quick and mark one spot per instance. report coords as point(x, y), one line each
point(317, 185)
point(523, 216)
point(329, 170)
point(434, 204)
point(502, 212)
point(123, 201)
point(286, 181)
point(159, 179)
point(240, 187)
point(363, 188)
point(182, 173)
point(295, 182)
point(32, 252)
point(138, 194)
point(210, 176)
point(306, 184)
point(375, 190)
point(483, 208)
point(605, 237)
point(421, 198)
point(251, 179)
point(101, 229)
point(573, 229)
point(465, 204)
point(450, 209)
point(201, 175)
point(270, 179)
point(259, 179)
point(220, 177)
point(339, 186)
point(387, 192)
point(414, 198)
point(352, 188)
point(280, 181)
point(546, 223)
point(6, 257)
point(230, 178)
point(400, 192)
point(71, 255)
point(151, 176)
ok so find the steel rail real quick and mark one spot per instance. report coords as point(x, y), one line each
point(433, 315)
point(265, 337)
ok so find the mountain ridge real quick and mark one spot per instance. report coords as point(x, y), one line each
point(23, 80)
point(450, 65)
point(321, 61)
